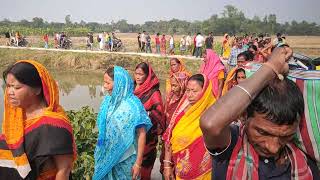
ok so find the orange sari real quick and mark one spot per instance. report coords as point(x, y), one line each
point(27, 144)
point(189, 154)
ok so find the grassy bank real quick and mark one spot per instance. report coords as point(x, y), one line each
point(82, 61)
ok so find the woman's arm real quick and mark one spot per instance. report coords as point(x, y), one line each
point(220, 87)
point(215, 121)
point(167, 164)
point(63, 165)
point(141, 134)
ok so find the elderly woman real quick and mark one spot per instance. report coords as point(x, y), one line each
point(185, 153)
point(176, 67)
point(37, 140)
point(122, 124)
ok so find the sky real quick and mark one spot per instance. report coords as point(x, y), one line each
point(139, 11)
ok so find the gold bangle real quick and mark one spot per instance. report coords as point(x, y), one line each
point(244, 90)
point(167, 161)
point(137, 165)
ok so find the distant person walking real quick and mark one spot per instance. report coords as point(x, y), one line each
point(46, 41)
point(183, 45)
point(163, 44)
point(171, 45)
point(199, 44)
point(148, 43)
point(139, 41)
point(157, 41)
point(209, 41)
point(188, 43)
point(143, 41)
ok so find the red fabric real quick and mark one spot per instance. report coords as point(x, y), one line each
point(150, 96)
point(46, 38)
point(157, 39)
point(195, 153)
point(303, 126)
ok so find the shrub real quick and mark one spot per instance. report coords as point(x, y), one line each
point(85, 133)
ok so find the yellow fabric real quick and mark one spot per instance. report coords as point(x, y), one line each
point(188, 129)
point(226, 47)
point(221, 74)
point(317, 67)
point(229, 79)
point(13, 125)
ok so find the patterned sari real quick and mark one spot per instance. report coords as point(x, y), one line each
point(26, 145)
point(189, 154)
point(150, 96)
point(181, 73)
point(121, 113)
point(172, 101)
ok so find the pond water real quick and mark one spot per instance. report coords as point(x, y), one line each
point(76, 89)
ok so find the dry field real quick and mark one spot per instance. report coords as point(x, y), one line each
point(308, 45)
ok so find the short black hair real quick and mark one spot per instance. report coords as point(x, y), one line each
point(197, 77)
point(281, 102)
point(248, 56)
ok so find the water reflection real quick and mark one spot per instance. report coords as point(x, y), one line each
point(76, 89)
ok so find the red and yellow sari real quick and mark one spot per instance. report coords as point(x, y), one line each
point(27, 144)
point(189, 154)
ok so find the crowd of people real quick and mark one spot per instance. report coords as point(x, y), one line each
point(165, 46)
point(220, 123)
point(15, 39)
point(107, 41)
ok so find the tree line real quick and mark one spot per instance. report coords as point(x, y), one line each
point(231, 20)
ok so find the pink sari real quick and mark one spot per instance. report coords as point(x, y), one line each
point(211, 67)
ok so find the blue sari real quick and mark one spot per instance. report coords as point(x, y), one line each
point(119, 117)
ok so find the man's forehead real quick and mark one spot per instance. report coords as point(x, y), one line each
point(262, 123)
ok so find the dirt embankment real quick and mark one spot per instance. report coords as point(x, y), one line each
point(88, 61)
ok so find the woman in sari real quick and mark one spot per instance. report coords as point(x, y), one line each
point(176, 67)
point(178, 83)
point(122, 123)
point(147, 90)
point(183, 138)
point(214, 69)
point(226, 48)
point(37, 140)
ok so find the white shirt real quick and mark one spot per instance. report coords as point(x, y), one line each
point(188, 39)
point(199, 40)
point(171, 41)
